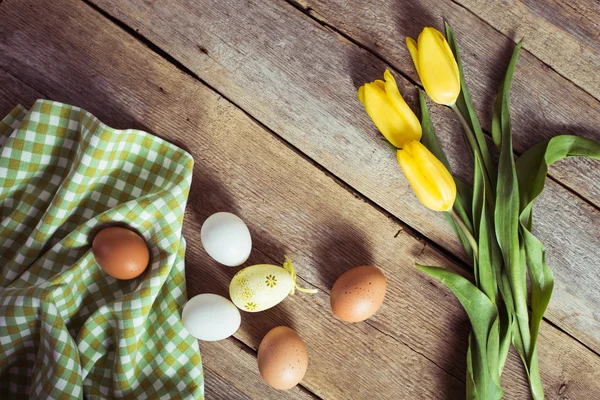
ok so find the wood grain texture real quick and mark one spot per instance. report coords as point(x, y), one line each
point(299, 79)
point(230, 372)
point(413, 348)
point(12, 89)
point(544, 104)
point(563, 34)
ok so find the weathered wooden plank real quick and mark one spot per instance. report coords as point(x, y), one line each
point(544, 104)
point(217, 387)
point(563, 34)
point(230, 369)
point(230, 372)
point(341, 240)
point(413, 348)
point(566, 36)
point(300, 79)
point(13, 89)
point(174, 108)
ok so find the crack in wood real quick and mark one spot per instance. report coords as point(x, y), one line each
point(415, 351)
point(413, 232)
point(202, 49)
point(244, 347)
point(315, 17)
point(371, 324)
point(23, 82)
point(524, 47)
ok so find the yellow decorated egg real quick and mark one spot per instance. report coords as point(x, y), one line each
point(262, 286)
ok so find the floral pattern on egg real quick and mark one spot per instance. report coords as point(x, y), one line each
point(271, 281)
point(259, 287)
point(247, 293)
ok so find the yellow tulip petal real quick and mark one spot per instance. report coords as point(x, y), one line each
point(449, 54)
point(390, 123)
point(411, 44)
point(361, 94)
point(436, 173)
point(437, 67)
point(423, 189)
point(380, 84)
point(412, 129)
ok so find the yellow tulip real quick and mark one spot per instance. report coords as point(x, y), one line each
point(436, 66)
point(428, 177)
point(388, 110)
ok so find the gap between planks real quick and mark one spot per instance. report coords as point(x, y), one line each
point(368, 322)
point(244, 347)
point(426, 242)
point(409, 229)
point(309, 12)
point(241, 344)
point(22, 81)
point(524, 47)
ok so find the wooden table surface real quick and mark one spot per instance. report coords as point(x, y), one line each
point(263, 95)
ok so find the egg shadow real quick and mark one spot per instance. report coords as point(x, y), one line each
point(205, 275)
point(343, 247)
point(264, 321)
point(267, 250)
point(207, 196)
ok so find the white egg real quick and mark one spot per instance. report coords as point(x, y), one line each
point(226, 238)
point(210, 317)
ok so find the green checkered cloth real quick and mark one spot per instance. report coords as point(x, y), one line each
point(67, 329)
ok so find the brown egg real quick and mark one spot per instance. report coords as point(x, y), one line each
point(358, 293)
point(120, 252)
point(282, 358)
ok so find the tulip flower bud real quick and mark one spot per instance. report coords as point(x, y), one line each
point(388, 110)
point(428, 177)
point(436, 66)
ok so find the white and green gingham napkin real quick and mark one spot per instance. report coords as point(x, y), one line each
point(67, 329)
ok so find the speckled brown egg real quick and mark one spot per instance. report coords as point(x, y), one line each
point(120, 252)
point(282, 358)
point(358, 293)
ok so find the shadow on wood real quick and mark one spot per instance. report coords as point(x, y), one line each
point(343, 247)
point(207, 196)
point(495, 76)
point(405, 19)
point(362, 68)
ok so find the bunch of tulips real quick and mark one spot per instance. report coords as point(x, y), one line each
point(492, 215)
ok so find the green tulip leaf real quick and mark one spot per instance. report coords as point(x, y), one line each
point(490, 273)
point(465, 106)
point(506, 216)
point(484, 274)
point(471, 395)
point(463, 191)
point(429, 137)
point(483, 317)
point(532, 168)
point(505, 335)
point(490, 270)
point(493, 352)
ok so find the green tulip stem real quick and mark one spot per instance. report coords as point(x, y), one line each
point(490, 197)
point(467, 232)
